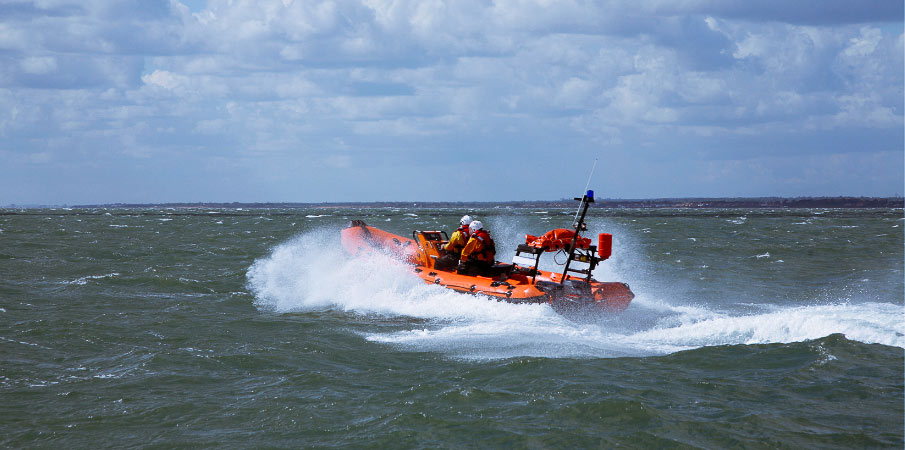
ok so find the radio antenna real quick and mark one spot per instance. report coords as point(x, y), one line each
point(586, 186)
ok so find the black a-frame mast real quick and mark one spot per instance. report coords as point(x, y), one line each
point(581, 255)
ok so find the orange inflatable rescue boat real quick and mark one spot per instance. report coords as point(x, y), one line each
point(520, 282)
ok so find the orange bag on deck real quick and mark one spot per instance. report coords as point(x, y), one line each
point(557, 239)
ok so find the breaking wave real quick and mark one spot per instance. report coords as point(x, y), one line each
point(310, 273)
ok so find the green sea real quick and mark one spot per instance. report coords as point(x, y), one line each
point(239, 328)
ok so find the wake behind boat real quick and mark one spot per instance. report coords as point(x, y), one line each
point(519, 282)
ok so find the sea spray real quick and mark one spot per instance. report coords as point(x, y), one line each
point(693, 328)
point(310, 272)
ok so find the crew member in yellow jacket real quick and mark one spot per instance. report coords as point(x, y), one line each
point(453, 248)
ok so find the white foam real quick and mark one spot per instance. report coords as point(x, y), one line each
point(867, 322)
point(302, 275)
point(84, 280)
point(310, 272)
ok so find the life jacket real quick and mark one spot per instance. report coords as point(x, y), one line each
point(488, 248)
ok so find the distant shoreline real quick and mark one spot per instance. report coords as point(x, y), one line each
point(764, 202)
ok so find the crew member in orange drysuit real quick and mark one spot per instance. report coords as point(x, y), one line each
point(479, 253)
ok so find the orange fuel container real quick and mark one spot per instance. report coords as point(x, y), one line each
point(605, 245)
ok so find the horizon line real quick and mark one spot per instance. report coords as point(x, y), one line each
point(259, 204)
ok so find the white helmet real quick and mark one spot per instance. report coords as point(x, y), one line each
point(475, 226)
point(465, 220)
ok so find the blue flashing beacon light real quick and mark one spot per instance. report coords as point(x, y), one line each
point(590, 194)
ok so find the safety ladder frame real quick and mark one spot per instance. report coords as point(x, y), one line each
point(524, 248)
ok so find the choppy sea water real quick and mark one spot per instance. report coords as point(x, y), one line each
point(251, 328)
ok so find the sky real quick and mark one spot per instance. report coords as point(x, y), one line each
point(140, 101)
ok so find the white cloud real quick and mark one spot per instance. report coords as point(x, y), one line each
point(165, 79)
point(39, 65)
point(864, 44)
point(211, 126)
point(866, 111)
point(11, 37)
point(702, 88)
point(574, 92)
point(515, 77)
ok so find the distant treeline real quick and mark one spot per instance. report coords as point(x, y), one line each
point(767, 202)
